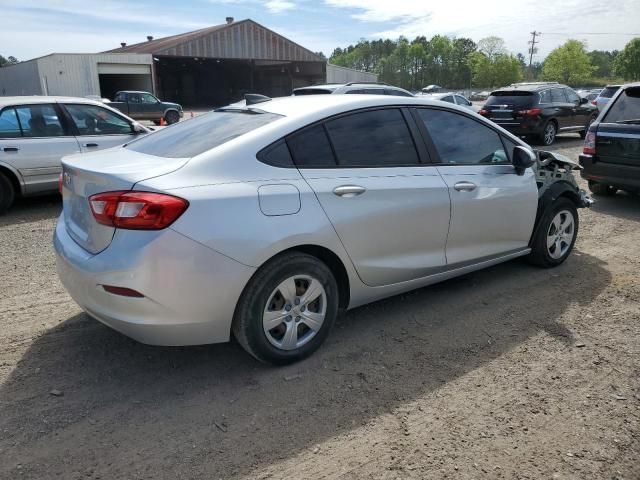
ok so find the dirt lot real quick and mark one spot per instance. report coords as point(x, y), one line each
point(513, 372)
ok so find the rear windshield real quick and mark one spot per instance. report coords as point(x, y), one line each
point(516, 98)
point(312, 91)
point(193, 137)
point(608, 92)
point(626, 108)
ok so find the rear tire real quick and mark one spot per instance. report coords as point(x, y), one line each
point(556, 234)
point(549, 132)
point(7, 193)
point(583, 133)
point(172, 117)
point(602, 189)
point(268, 322)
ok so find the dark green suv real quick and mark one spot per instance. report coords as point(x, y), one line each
point(539, 110)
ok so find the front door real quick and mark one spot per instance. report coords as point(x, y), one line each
point(98, 128)
point(390, 211)
point(493, 209)
point(33, 139)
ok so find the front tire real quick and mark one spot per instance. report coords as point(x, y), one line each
point(172, 117)
point(555, 235)
point(7, 193)
point(287, 309)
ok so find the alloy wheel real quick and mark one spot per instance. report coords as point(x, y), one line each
point(549, 133)
point(560, 234)
point(295, 312)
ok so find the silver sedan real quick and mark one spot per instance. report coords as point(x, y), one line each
point(265, 220)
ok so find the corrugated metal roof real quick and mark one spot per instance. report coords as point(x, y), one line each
point(245, 39)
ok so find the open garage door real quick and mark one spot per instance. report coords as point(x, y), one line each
point(114, 77)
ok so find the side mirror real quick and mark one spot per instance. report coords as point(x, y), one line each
point(583, 100)
point(137, 128)
point(523, 158)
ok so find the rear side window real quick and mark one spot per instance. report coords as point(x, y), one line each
point(512, 98)
point(609, 92)
point(626, 107)
point(9, 126)
point(557, 95)
point(461, 140)
point(94, 120)
point(374, 91)
point(311, 148)
point(193, 137)
point(355, 92)
point(312, 91)
point(277, 155)
point(545, 96)
point(377, 138)
point(397, 93)
point(39, 121)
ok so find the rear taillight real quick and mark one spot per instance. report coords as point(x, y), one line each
point(136, 210)
point(589, 144)
point(532, 112)
point(484, 113)
point(594, 102)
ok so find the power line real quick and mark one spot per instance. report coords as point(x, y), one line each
point(591, 33)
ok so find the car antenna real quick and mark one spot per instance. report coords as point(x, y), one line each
point(253, 98)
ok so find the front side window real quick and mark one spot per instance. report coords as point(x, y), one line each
point(377, 138)
point(448, 99)
point(557, 95)
point(374, 91)
point(121, 97)
point(202, 133)
point(94, 120)
point(626, 108)
point(461, 140)
point(9, 126)
point(398, 93)
point(148, 98)
point(39, 121)
point(359, 91)
point(462, 101)
point(572, 96)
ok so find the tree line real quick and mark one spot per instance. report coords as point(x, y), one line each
point(460, 63)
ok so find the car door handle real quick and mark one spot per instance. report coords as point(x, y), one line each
point(465, 186)
point(90, 145)
point(348, 191)
point(11, 149)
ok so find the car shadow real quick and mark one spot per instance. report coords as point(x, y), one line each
point(213, 411)
point(622, 204)
point(32, 209)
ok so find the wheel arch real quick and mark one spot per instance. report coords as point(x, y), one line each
point(170, 109)
point(14, 177)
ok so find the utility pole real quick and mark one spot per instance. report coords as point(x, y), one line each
point(532, 50)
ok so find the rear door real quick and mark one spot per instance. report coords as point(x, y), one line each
point(389, 209)
point(581, 112)
point(34, 140)
point(492, 208)
point(98, 128)
point(562, 108)
point(618, 135)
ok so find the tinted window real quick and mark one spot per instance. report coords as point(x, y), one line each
point(398, 93)
point(311, 148)
point(277, 155)
point(608, 92)
point(195, 136)
point(557, 95)
point(148, 98)
point(374, 91)
point(9, 126)
point(39, 121)
point(120, 97)
point(572, 96)
point(448, 98)
point(513, 98)
point(462, 101)
point(461, 140)
point(312, 91)
point(93, 120)
point(372, 139)
point(626, 107)
point(359, 91)
point(545, 96)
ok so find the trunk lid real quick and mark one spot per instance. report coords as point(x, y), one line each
point(104, 171)
point(504, 104)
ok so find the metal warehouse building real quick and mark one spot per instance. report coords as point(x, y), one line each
point(208, 67)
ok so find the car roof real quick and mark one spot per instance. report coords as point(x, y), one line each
point(530, 87)
point(39, 99)
point(133, 91)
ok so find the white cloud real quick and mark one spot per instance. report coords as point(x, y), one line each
point(509, 19)
point(278, 6)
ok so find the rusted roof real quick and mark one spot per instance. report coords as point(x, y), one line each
point(243, 39)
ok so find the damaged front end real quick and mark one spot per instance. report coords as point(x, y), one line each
point(554, 175)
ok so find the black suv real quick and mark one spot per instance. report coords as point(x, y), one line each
point(539, 110)
point(611, 157)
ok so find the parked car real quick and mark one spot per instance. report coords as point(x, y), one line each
point(590, 95)
point(455, 98)
point(605, 95)
point(145, 106)
point(268, 219)
point(36, 132)
point(611, 157)
point(432, 89)
point(539, 110)
point(366, 88)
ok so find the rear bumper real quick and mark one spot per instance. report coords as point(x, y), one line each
point(190, 291)
point(529, 126)
point(619, 176)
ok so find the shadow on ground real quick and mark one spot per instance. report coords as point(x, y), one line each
point(622, 205)
point(32, 209)
point(134, 411)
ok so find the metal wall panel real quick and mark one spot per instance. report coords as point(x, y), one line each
point(336, 74)
point(20, 79)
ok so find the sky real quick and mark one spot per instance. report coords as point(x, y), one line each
point(32, 28)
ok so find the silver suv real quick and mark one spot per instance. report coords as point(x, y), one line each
point(365, 88)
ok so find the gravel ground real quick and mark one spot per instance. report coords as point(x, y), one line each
point(512, 372)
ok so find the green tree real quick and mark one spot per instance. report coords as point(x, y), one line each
point(492, 66)
point(627, 63)
point(568, 64)
point(602, 62)
point(7, 61)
